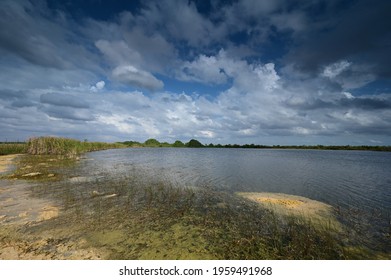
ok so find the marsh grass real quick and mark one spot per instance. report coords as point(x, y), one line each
point(66, 147)
point(12, 148)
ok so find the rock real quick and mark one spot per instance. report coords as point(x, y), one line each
point(96, 193)
point(32, 174)
point(48, 212)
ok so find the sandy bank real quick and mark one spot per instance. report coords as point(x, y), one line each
point(286, 204)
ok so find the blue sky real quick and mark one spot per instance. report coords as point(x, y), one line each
point(265, 72)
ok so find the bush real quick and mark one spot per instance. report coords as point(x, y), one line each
point(194, 144)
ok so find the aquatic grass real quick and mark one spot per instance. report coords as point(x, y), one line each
point(228, 227)
point(132, 217)
point(40, 167)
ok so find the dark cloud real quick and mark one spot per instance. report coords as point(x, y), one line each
point(26, 31)
point(23, 103)
point(132, 76)
point(364, 103)
point(31, 31)
point(361, 33)
point(63, 100)
point(6, 94)
point(68, 113)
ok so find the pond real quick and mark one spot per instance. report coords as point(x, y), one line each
point(356, 183)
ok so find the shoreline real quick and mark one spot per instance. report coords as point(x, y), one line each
point(20, 212)
point(6, 162)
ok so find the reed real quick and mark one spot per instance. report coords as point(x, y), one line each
point(12, 148)
point(64, 146)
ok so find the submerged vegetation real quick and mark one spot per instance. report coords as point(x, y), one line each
point(134, 217)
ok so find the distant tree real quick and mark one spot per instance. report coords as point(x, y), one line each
point(194, 144)
point(178, 144)
point(165, 144)
point(132, 143)
point(152, 143)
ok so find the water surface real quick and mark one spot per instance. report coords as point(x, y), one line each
point(356, 183)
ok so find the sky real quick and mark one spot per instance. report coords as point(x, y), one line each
point(281, 72)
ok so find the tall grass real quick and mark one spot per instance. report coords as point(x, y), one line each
point(12, 148)
point(65, 146)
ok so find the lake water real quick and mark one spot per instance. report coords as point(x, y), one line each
point(357, 182)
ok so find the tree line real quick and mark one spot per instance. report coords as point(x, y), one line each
point(193, 143)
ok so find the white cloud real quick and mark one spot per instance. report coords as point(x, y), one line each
point(207, 134)
point(132, 76)
point(118, 121)
point(221, 68)
point(98, 86)
point(334, 69)
point(348, 95)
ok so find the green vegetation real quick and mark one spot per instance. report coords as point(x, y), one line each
point(65, 147)
point(12, 148)
point(71, 147)
point(178, 144)
point(152, 143)
point(56, 146)
point(193, 143)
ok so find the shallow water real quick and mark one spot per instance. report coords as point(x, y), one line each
point(356, 183)
point(359, 178)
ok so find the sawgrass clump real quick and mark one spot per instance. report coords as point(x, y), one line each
point(12, 148)
point(65, 146)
